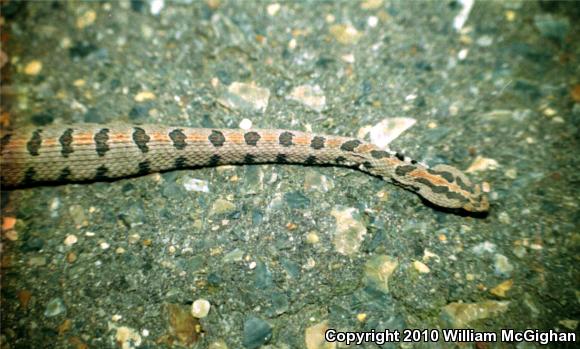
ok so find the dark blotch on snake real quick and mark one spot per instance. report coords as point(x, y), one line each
point(101, 173)
point(4, 141)
point(379, 154)
point(449, 177)
point(66, 140)
point(463, 185)
point(33, 145)
point(29, 176)
point(101, 139)
point(317, 142)
point(400, 156)
point(281, 158)
point(403, 170)
point(214, 160)
point(217, 138)
point(350, 145)
point(311, 160)
point(144, 167)
point(180, 163)
point(140, 137)
point(249, 159)
point(252, 138)
point(178, 138)
point(340, 159)
point(64, 174)
point(285, 139)
point(441, 190)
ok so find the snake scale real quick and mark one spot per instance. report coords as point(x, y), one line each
point(93, 152)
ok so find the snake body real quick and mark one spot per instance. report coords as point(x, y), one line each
point(92, 152)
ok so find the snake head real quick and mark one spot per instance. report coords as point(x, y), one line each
point(478, 201)
point(459, 192)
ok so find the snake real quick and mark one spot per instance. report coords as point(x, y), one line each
point(60, 154)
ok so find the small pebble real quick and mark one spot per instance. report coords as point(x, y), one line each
point(549, 112)
point(421, 267)
point(11, 235)
point(33, 68)
point(485, 41)
point(198, 185)
point(345, 33)
point(510, 16)
point(372, 21)
point(311, 96)
point(312, 238)
point(246, 96)
point(502, 265)
point(71, 257)
point(575, 93)
point(350, 230)
point(104, 245)
point(273, 9)
point(504, 218)
point(127, 338)
point(54, 307)
point(371, 4)
point(219, 344)
point(481, 164)
point(520, 251)
point(511, 173)
point(461, 314)
point(246, 124)
point(378, 270)
point(144, 96)
point(37, 261)
point(70, 240)
point(501, 289)
point(87, 19)
point(221, 206)
point(200, 308)
point(257, 332)
point(314, 336)
point(386, 131)
point(462, 55)
point(155, 6)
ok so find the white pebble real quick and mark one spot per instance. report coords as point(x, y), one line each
point(200, 308)
point(194, 184)
point(70, 240)
point(246, 124)
point(372, 21)
point(272, 9)
point(156, 6)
